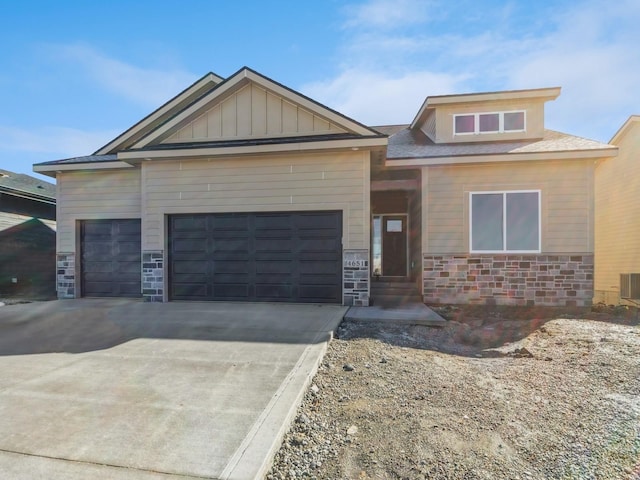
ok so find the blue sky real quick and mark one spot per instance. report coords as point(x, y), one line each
point(74, 74)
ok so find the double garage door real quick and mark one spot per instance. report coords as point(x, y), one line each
point(281, 257)
point(270, 257)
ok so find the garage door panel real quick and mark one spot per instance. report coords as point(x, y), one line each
point(270, 292)
point(190, 291)
point(190, 267)
point(223, 266)
point(111, 258)
point(230, 278)
point(233, 290)
point(274, 267)
point(186, 223)
point(232, 245)
point(315, 267)
point(197, 245)
point(259, 256)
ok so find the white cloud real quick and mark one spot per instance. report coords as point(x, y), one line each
point(588, 48)
point(147, 86)
point(376, 98)
point(386, 14)
point(54, 141)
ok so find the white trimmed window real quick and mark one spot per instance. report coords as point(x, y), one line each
point(489, 122)
point(507, 221)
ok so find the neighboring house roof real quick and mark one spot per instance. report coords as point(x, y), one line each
point(22, 185)
point(414, 144)
point(626, 126)
point(10, 220)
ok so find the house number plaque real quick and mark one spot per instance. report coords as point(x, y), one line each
point(355, 259)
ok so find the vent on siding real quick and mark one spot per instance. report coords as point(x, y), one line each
point(630, 286)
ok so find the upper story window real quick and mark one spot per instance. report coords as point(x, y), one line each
point(489, 122)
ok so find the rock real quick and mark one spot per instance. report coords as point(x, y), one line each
point(298, 439)
point(352, 430)
point(302, 418)
point(315, 388)
point(347, 367)
point(521, 353)
point(384, 360)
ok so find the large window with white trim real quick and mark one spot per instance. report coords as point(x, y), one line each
point(506, 221)
point(489, 122)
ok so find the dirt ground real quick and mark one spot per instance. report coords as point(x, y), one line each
point(498, 393)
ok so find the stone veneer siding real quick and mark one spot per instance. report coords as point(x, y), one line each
point(355, 279)
point(66, 275)
point(523, 280)
point(153, 276)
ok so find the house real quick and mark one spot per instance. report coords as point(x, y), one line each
point(617, 234)
point(242, 189)
point(27, 235)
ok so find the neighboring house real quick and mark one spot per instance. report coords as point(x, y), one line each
point(245, 190)
point(27, 235)
point(617, 275)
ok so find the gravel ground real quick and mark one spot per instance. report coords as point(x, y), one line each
point(496, 394)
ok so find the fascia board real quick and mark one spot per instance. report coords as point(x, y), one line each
point(509, 157)
point(131, 155)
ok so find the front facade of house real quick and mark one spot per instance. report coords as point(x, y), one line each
point(617, 234)
point(245, 190)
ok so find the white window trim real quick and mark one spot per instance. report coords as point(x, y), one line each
point(476, 122)
point(504, 220)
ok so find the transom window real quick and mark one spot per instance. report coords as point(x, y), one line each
point(505, 221)
point(489, 122)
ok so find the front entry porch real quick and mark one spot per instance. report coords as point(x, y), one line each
point(395, 238)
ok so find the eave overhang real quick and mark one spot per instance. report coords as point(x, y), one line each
point(503, 157)
point(51, 170)
point(225, 149)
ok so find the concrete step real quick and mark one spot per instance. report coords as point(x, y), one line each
point(410, 314)
point(394, 293)
point(394, 299)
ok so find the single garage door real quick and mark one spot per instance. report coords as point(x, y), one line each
point(111, 258)
point(268, 257)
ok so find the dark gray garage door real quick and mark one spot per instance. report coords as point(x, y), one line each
point(269, 257)
point(111, 258)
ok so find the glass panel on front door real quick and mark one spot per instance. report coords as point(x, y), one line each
point(389, 245)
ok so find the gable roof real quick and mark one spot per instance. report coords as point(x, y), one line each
point(26, 186)
point(150, 122)
point(239, 79)
point(626, 126)
point(413, 147)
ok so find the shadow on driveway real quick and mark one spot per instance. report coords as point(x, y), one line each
point(82, 325)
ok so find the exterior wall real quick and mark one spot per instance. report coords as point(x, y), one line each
point(105, 194)
point(534, 121)
point(522, 280)
point(617, 234)
point(253, 112)
point(566, 196)
point(90, 195)
point(561, 275)
point(326, 181)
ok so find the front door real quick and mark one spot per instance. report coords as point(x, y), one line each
point(391, 231)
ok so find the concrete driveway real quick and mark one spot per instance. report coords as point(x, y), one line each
point(122, 389)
